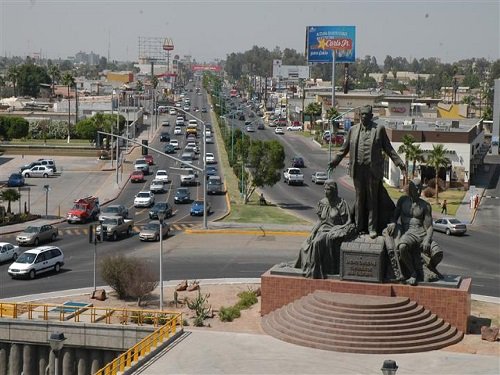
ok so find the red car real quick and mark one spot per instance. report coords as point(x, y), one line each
point(149, 159)
point(137, 176)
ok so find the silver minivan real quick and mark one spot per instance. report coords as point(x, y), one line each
point(35, 261)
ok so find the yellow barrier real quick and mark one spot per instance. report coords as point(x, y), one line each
point(142, 348)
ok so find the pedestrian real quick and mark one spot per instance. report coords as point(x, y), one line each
point(444, 208)
point(262, 200)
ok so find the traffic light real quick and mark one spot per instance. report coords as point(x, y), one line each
point(145, 149)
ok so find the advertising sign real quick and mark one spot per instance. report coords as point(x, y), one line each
point(323, 41)
point(211, 68)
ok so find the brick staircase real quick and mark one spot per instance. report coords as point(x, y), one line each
point(355, 323)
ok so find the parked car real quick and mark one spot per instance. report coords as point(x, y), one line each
point(15, 180)
point(48, 163)
point(449, 225)
point(182, 195)
point(34, 234)
point(144, 199)
point(29, 166)
point(279, 130)
point(151, 231)
point(294, 127)
point(162, 175)
point(164, 137)
point(149, 159)
point(158, 186)
point(169, 149)
point(35, 261)
point(298, 162)
point(137, 176)
point(197, 208)
point(113, 210)
point(141, 165)
point(8, 252)
point(160, 208)
point(319, 177)
point(38, 171)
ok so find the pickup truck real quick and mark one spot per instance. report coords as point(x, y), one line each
point(113, 227)
point(293, 176)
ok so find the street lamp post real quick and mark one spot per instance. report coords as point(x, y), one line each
point(56, 341)
point(117, 139)
point(161, 217)
point(47, 189)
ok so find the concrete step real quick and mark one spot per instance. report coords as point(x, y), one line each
point(342, 322)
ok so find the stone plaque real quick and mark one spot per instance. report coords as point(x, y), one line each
point(363, 259)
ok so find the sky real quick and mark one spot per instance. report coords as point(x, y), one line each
point(450, 30)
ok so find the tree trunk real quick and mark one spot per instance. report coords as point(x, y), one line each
point(437, 187)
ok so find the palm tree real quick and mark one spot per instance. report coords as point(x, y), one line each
point(406, 148)
point(10, 195)
point(437, 159)
point(55, 74)
point(68, 80)
point(416, 155)
point(13, 76)
point(313, 110)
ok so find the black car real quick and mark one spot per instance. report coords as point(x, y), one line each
point(29, 166)
point(169, 149)
point(182, 195)
point(160, 208)
point(164, 137)
point(211, 171)
point(298, 162)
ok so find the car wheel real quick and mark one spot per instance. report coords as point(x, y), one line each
point(129, 231)
point(14, 257)
point(27, 175)
point(157, 237)
point(448, 232)
point(45, 175)
point(36, 241)
point(32, 274)
point(54, 237)
point(57, 268)
point(115, 236)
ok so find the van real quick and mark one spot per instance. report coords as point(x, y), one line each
point(48, 163)
point(214, 185)
point(35, 261)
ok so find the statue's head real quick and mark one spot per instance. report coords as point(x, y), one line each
point(366, 114)
point(414, 188)
point(331, 188)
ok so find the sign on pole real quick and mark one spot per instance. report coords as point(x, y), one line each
point(323, 41)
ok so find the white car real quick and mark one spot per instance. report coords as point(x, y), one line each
point(177, 130)
point(210, 158)
point(294, 128)
point(319, 177)
point(161, 175)
point(209, 140)
point(157, 186)
point(196, 149)
point(175, 143)
point(8, 251)
point(172, 111)
point(141, 165)
point(279, 130)
point(38, 260)
point(38, 171)
point(144, 199)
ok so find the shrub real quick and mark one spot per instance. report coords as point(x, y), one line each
point(228, 314)
point(441, 184)
point(247, 299)
point(115, 271)
point(141, 282)
point(429, 192)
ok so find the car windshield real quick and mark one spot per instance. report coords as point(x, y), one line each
point(161, 173)
point(110, 209)
point(151, 226)
point(160, 206)
point(32, 230)
point(182, 191)
point(157, 182)
point(26, 258)
point(198, 203)
point(320, 174)
point(109, 220)
point(140, 161)
point(143, 195)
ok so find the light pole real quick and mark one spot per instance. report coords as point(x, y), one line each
point(204, 170)
point(117, 133)
point(161, 217)
point(47, 189)
point(56, 341)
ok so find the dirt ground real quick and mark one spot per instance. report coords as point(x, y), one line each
point(226, 295)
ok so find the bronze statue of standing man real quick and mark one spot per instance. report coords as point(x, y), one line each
point(366, 144)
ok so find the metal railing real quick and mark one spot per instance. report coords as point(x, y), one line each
point(142, 348)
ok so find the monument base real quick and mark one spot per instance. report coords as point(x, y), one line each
point(450, 299)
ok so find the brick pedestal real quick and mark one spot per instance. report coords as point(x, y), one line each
point(452, 305)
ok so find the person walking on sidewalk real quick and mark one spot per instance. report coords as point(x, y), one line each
point(444, 208)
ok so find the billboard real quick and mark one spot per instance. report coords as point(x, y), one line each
point(211, 68)
point(323, 41)
point(290, 72)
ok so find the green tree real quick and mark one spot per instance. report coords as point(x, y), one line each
point(13, 76)
point(69, 80)
point(406, 149)
point(437, 159)
point(313, 110)
point(30, 78)
point(10, 195)
point(416, 155)
point(55, 75)
point(265, 159)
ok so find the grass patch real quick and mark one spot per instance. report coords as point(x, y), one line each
point(52, 142)
point(454, 198)
point(246, 300)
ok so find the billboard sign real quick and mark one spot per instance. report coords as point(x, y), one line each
point(210, 68)
point(290, 72)
point(323, 41)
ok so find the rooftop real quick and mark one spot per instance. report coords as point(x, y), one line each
point(425, 124)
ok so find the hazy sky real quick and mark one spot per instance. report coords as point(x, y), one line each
point(448, 29)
